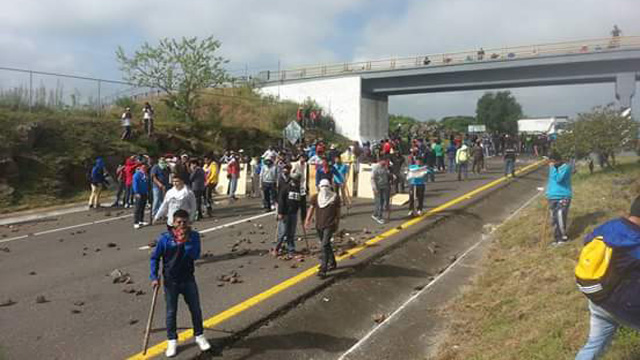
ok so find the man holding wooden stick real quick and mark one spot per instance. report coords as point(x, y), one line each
point(179, 248)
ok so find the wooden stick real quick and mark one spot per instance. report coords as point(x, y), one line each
point(151, 312)
point(545, 220)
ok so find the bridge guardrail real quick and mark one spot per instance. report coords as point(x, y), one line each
point(455, 58)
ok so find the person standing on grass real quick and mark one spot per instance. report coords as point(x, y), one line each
point(160, 183)
point(98, 180)
point(462, 161)
point(325, 205)
point(197, 179)
point(381, 186)
point(559, 195)
point(140, 193)
point(510, 159)
point(126, 124)
point(178, 249)
point(178, 197)
point(147, 118)
point(617, 303)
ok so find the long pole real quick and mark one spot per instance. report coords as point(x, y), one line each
point(30, 90)
point(151, 312)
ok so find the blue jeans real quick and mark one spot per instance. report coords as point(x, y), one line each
point(233, 185)
point(463, 168)
point(559, 209)
point(601, 330)
point(189, 290)
point(381, 202)
point(287, 232)
point(158, 196)
point(509, 167)
point(268, 191)
point(452, 165)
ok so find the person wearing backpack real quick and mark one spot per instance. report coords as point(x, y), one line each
point(462, 161)
point(608, 273)
point(559, 196)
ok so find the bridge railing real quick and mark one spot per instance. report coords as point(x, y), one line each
point(455, 58)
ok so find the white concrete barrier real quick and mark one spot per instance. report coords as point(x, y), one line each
point(223, 181)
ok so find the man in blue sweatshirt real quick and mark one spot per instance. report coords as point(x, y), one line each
point(141, 193)
point(417, 179)
point(179, 248)
point(559, 196)
point(97, 180)
point(614, 301)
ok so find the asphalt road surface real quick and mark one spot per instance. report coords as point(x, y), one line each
point(59, 300)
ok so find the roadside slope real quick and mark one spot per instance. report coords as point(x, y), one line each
point(524, 304)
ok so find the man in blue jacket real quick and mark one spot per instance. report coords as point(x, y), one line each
point(179, 248)
point(559, 196)
point(417, 179)
point(141, 193)
point(620, 303)
point(97, 180)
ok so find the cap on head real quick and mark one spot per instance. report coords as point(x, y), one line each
point(324, 183)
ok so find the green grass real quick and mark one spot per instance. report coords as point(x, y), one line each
point(524, 303)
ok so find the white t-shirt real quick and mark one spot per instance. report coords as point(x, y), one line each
point(126, 119)
point(147, 113)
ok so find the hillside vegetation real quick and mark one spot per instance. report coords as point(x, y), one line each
point(45, 154)
point(524, 303)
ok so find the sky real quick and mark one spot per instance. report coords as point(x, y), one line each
point(80, 37)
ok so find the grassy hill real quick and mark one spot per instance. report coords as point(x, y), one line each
point(524, 303)
point(45, 154)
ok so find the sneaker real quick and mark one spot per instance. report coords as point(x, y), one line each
point(136, 226)
point(375, 218)
point(127, 206)
point(412, 214)
point(202, 343)
point(172, 348)
point(419, 212)
point(144, 223)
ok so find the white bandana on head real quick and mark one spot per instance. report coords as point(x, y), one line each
point(326, 197)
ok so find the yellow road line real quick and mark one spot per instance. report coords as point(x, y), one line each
point(249, 303)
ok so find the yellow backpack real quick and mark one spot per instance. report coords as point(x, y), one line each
point(594, 274)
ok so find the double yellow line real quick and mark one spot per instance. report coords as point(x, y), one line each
point(257, 299)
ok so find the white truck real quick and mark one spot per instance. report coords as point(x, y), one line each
point(548, 126)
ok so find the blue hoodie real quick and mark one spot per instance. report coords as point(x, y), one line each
point(559, 183)
point(177, 259)
point(624, 237)
point(97, 173)
point(140, 183)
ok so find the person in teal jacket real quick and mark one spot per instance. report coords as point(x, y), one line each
point(559, 195)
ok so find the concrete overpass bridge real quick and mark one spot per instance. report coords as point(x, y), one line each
point(356, 94)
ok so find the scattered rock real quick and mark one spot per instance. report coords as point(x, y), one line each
point(133, 321)
point(60, 240)
point(418, 288)
point(366, 231)
point(129, 291)
point(220, 284)
point(5, 249)
point(40, 299)
point(7, 302)
point(240, 266)
point(120, 277)
point(275, 266)
point(111, 245)
point(140, 292)
point(452, 258)
point(84, 254)
point(85, 248)
point(294, 266)
point(75, 311)
point(33, 273)
point(78, 303)
point(97, 249)
point(378, 318)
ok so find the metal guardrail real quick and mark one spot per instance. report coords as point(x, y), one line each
point(455, 58)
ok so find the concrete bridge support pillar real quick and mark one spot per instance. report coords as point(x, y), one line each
point(358, 116)
point(625, 88)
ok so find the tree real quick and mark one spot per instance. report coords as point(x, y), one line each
point(458, 124)
point(499, 112)
point(602, 131)
point(180, 68)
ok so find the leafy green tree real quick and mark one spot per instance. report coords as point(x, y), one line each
point(458, 124)
point(499, 112)
point(180, 68)
point(602, 131)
